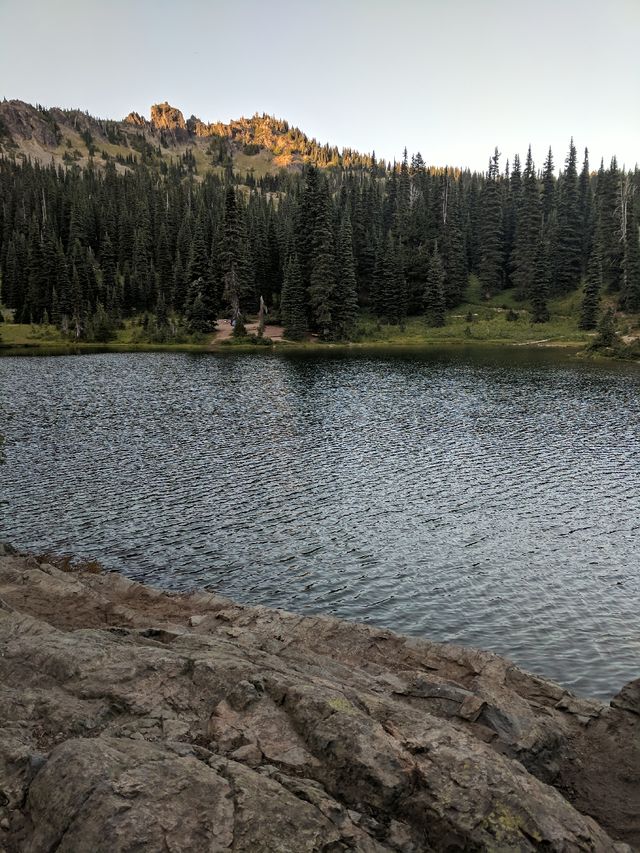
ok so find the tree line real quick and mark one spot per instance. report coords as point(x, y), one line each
point(86, 248)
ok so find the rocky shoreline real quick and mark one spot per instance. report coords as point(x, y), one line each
point(137, 720)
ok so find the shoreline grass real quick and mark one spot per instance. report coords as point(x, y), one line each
point(501, 321)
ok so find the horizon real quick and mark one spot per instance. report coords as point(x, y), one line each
point(432, 81)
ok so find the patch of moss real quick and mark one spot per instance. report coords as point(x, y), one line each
point(507, 826)
point(339, 703)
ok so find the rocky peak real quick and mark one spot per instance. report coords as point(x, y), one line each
point(135, 119)
point(198, 127)
point(166, 117)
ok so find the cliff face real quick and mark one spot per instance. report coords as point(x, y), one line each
point(138, 720)
point(22, 122)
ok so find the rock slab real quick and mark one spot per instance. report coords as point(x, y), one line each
point(137, 720)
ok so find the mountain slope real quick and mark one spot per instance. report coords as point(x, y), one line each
point(262, 144)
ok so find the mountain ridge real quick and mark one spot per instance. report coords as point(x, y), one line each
point(263, 143)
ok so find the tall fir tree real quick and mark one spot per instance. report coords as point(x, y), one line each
point(527, 232)
point(568, 247)
point(491, 236)
point(608, 235)
point(585, 194)
point(541, 283)
point(434, 291)
point(345, 312)
point(511, 204)
point(322, 280)
point(630, 293)
point(293, 312)
point(548, 190)
point(233, 258)
point(454, 252)
point(473, 217)
point(589, 308)
point(389, 296)
point(307, 215)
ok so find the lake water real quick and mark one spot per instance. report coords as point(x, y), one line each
point(486, 497)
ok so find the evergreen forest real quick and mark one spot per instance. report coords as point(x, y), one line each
point(86, 249)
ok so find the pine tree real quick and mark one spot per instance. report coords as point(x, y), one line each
point(108, 264)
point(527, 233)
point(454, 252)
point(292, 306)
point(511, 206)
point(607, 329)
point(35, 297)
point(100, 328)
point(586, 210)
point(548, 190)
point(345, 311)
point(472, 236)
point(390, 204)
point(491, 236)
point(389, 285)
point(198, 256)
point(568, 248)
point(260, 254)
point(541, 283)
point(77, 305)
point(163, 263)
point(274, 271)
point(307, 215)
point(234, 257)
point(403, 200)
point(434, 300)
point(12, 289)
point(200, 276)
point(63, 307)
point(162, 316)
point(608, 230)
point(591, 296)
point(630, 294)
point(142, 274)
point(198, 316)
point(322, 281)
point(179, 284)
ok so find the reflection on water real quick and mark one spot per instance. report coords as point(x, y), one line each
point(484, 498)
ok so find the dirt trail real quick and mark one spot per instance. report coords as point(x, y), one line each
point(225, 331)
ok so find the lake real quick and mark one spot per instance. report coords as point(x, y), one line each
point(487, 497)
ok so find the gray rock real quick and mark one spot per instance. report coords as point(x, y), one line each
point(129, 722)
point(628, 699)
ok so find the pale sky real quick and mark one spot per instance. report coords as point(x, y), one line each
point(449, 78)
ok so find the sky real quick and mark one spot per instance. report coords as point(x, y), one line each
point(449, 78)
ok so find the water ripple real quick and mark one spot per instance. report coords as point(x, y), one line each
point(485, 500)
